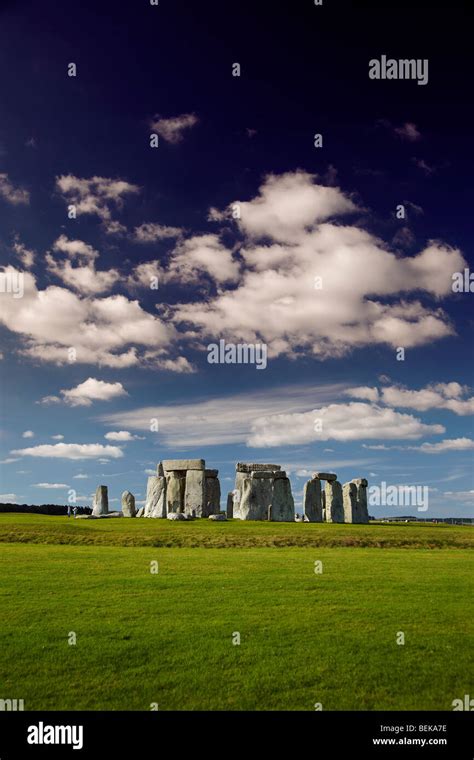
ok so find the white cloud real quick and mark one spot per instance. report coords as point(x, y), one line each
point(434, 396)
point(150, 232)
point(453, 444)
point(24, 254)
point(58, 437)
point(12, 194)
point(122, 436)
point(51, 485)
point(172, 130)
point(9, 460)
point(28, 434)
point(282, 417)
point(103, 331)
point(408, 131)
point(96, 195)
point(89, 391)
point(83, 277)
point(71, 451)
point(9, 498)
point(202, 255)
point(80, 476)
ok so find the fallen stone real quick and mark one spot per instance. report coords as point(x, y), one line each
point(109, 514)
point(312, 502)
point(100, 505)
point(183, 464)
point(329, 476)
point(128, 504)
point(334, 503)
point(176, 516)
point(217, 518)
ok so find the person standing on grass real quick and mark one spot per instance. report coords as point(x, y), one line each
point(75, 511)
point(69, 510)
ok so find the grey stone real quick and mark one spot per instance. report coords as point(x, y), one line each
point(282, 505)
point(250, 467)
point(155, 503)
point(108, 515)
point(362, 513)
point(230, 505)
point(334, 503)
point(211, 473)
point(256, 496)
point(160, 470)
point(329, 476)
point(100, 505)
point(312, 502)
point(183, 464)
point(213, 497)
point(140, 512)
point(218, 518)
point(175, 490)
point(267, 474)
point(360, 482)
point(128, 504)
point(349, 498)
point(195, 493)
point(177, 516)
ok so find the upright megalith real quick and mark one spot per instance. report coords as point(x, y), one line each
point(195, 493)
point(100, 504)
point(334, 502)
point(128, 504)
point(262, 492)
point(175, 490)
point(361, 512)
point(212, 499)
point(312, 502)
point(349, 499)
point(230, 505)
point(155, 504)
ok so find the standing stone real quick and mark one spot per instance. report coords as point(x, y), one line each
point(362, 513)
point(128, 504)
point(334, 503)
point(100, 505)
point(175, 490)
point(256, 495)
point(213, 495)
point(230, 505)
point(312, 502)
point(155, 504)
point(283, 505)
point(349, 498)
point(323, 505)
point(160, 470)
point(195, 493)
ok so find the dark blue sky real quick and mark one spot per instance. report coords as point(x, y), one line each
point(304, 70)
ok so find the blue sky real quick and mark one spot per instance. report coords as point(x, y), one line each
point(232, 145)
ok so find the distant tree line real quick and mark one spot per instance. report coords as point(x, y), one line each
point(43, 509)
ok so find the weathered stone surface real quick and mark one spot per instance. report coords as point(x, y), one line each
point(195, 493)
point(128, 504)
point(256, 498)
point(175, 489)
point(213, 497)
point(211, 473)
point(282, 505)
point(360, 482)
point(230, 505)
point(160, 470)
point(141, 512)
point(169, 465)
point(250, 467)
point(267, 474)
point(362, 513)
point(100, 504)
point(349, 498)
point(108, 515)
point(312, 502)
point(298, 517)
point(217, 518)
point(155, 504)
point(176, 516)
point(334, 503)
point(329, 476)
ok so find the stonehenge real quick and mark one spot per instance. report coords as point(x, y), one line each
point(184, 489)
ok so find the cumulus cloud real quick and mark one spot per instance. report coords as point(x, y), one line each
point(14, 195)
point(102, 331)
point(150, 232)
point(202, 255)
point(71, 451)
point(449, 444)
point(24, 254)
point(434, 396)
point(283, 417)
point(122, 436)
point(172, 130)
point(28, 434)
point(58, 437)
point(89, 391)
point(96, 195)
point(83, 277)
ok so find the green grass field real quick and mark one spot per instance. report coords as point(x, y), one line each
point(167, 638)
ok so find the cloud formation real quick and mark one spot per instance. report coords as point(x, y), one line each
point(87, 392)
point(172, 130)
point(71, 451)
point(96, 196)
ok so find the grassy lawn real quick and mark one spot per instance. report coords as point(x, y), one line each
point(167, 637)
